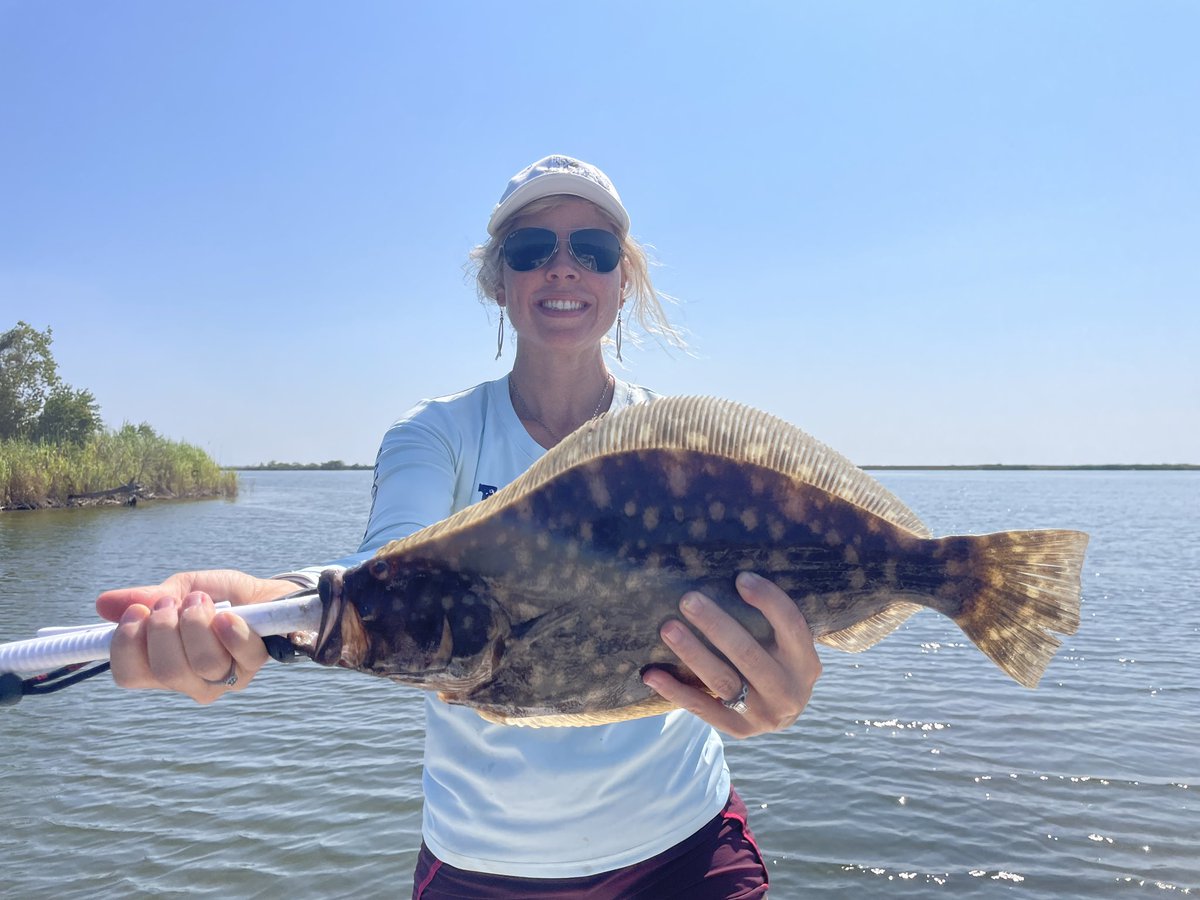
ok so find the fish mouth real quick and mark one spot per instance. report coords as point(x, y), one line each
point(327, 647)
point(341, 639)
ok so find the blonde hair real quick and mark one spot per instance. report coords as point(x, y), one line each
point(643, 303)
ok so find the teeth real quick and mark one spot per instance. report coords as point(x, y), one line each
point(563, 304)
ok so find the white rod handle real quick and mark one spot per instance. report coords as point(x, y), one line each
point(50, 630)
point(90, 643)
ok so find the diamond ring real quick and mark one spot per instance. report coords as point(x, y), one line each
point(229, 680)
point(738, 703)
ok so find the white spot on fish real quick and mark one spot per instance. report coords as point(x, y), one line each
point(598, 489)
point(677, 480)
point(693, 561)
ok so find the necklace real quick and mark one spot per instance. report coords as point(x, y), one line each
point(512, 385)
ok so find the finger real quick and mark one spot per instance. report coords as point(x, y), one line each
point(750, 661)
point(722, 679)
point(792, 634)
point(246, 647)
point(698, 702)
point(795, 650)
point(168, 657)
point(112, 604)
point(127, 653)
point(164, 646)
point(206, 655)
point(685, 696)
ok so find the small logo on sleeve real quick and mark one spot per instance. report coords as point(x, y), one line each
point(486, 490)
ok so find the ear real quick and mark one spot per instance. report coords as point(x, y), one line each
point(500, 301)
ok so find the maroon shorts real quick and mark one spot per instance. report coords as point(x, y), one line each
point(721, 861)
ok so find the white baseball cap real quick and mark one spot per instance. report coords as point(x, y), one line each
point(555, 175)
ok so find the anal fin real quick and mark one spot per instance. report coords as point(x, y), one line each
point(869, 632)
point(651, 706)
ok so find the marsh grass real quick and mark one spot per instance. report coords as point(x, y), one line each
point(38, 474)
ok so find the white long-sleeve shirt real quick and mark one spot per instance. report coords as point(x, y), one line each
point(545, 802)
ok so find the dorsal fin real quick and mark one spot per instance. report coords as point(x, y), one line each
point(705, 424)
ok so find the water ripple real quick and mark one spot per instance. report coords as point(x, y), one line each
point(918, 770)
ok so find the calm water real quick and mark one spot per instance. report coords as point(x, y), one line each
point(918, 770)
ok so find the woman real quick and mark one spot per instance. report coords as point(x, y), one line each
point(636, 809)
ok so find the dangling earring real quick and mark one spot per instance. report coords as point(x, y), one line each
point(619, 337)
point(500, 334)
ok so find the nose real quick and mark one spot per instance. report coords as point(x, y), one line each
point(562, 264)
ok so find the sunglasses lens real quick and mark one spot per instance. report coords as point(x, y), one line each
point(527, 248)
point(596, 249)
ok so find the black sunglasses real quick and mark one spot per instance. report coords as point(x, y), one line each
point(595, 249)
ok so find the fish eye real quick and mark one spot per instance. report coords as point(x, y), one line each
point(367, 608)
point(379, 569)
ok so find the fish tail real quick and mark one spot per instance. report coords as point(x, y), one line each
point(1028, 588)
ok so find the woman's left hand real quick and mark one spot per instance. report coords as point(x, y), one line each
point(779, 680)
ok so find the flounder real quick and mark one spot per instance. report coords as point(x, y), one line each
point(542, 604)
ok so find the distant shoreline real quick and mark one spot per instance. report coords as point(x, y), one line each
point(987, 467)
point(302, 467)
point(1004, 467)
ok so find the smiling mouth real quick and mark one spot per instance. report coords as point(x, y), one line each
point(563, 305)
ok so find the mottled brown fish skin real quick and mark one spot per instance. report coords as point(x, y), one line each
point(552, 604)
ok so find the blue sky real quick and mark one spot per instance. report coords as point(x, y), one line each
point(926, 232)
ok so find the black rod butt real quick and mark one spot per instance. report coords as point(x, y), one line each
point(12, 688)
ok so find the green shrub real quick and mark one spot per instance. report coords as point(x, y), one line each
point(36, 473)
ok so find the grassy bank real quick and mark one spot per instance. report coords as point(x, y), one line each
point(35, 475)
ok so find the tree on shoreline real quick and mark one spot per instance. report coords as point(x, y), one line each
point(35, 403)
point(55, 451)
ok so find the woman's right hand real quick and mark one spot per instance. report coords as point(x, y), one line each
point(169, 636)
